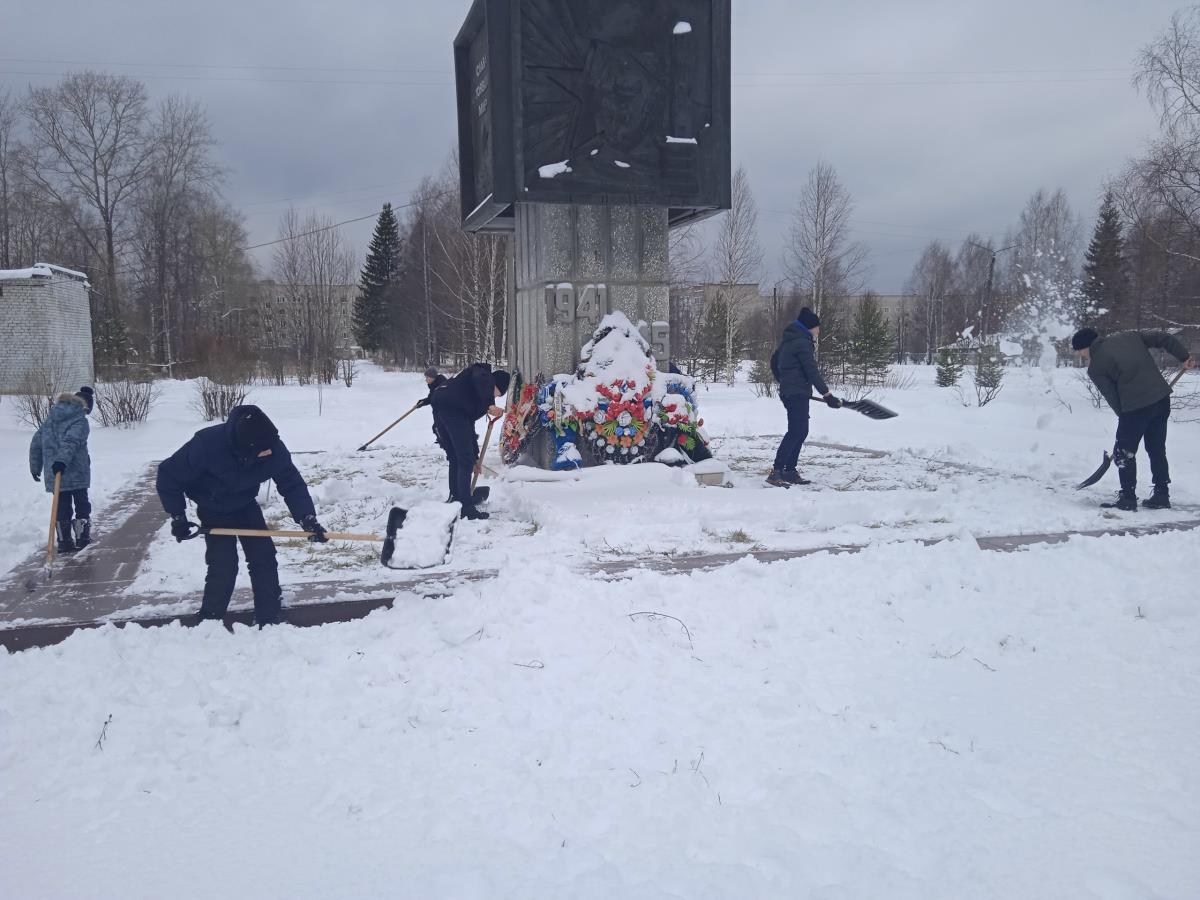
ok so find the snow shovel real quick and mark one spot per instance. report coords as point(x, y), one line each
point(868, 408)
point(419, 523)
point(1107, 462)
point(480, 495)
point(48, 567)
point(389, 428)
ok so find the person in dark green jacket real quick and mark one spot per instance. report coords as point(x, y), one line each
point(1121, 367)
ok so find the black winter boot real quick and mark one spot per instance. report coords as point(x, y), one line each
point(777, 479)
point(82, 529)
point(793, 477)
point(1160, 499)
point(66, 538)
point(1126, 502)
point(473, 513)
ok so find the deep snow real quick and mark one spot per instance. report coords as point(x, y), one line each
point(909, 722)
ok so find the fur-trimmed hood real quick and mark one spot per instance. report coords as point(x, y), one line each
point(67, 397)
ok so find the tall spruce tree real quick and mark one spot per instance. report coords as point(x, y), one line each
point(372, 307)
point(1105, 298)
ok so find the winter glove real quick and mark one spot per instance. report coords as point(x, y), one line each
point(37, 476)
point(422, 403)
point(181, 528)
point(833, 402)
point(59, 467)
point(310, 523)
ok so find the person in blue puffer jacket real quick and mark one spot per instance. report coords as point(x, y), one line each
point(220, 469)
point(60, 448)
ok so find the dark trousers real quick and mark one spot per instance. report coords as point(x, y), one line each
point(457, 435)
point(1148, 424)
point(797, 432)
point(221, 555)
point(74, 505)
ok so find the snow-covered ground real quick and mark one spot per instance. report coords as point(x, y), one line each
point(913, 721)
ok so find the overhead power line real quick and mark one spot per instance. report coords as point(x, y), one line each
point(292, 237)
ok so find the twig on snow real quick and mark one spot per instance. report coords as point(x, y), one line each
point(658, 615)
point(944, 747)
point(954, 655)
point(985, 665)
point(103, 733)
point(638, 777)
point(536, 664)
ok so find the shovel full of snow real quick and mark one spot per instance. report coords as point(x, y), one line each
point(1107, 462)
point(417, 538)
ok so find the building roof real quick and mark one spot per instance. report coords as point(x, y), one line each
point(40, 270)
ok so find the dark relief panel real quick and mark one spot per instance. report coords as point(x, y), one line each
point(608, 101)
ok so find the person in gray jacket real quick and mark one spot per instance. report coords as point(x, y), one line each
point(60, 448)
point(1121, 367)
point(794, 365)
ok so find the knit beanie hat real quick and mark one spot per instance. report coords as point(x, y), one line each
point(253, 432)
point(88, 395)
point(431, 372)
point(501, 380)
point(808, 319)
point(1083, 339)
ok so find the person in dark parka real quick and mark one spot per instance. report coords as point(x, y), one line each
point(794, 365)
point(1121, 367)
point(60, 447)
point(457, 406)
point(435, 381)
point(221, 469)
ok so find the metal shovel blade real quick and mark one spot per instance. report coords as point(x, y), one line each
point(871, 409)
point(1098, 474)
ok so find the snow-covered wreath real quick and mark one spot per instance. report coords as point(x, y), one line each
point(616, 408)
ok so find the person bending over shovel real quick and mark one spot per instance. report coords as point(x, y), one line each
point(794, 365)
point(1125, 373)
point(221, 469)
point(457, 406)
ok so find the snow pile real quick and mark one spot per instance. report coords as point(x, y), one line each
point(909, 723)
point(682, 28)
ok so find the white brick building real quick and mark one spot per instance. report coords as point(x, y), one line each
point(45, 329)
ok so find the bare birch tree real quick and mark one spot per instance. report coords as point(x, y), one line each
point(89, 134)
point(8, 176)
point(737, 260)
point(819, 255)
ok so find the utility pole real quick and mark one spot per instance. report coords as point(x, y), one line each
point(987, 297)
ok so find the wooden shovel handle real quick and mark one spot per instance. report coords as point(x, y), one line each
point(416, 406)
point(265, 533)
point(487, 439)
point(53, 517)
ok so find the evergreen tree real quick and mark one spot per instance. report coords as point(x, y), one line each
point(1105, 276)
point(949, 367)
point(372, 312)
point(870, 347)
point(989, 374)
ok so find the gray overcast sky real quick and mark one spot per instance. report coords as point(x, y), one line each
point(352, 103)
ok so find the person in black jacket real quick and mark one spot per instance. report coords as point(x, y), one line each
point(794, 365)
point(1121, 367)
point(435, 381)
point(221, 469)
point(457, 406)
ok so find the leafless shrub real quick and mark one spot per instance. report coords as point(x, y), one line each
point(1093, 393)
point(214, 400)
point(348, 370)
point(125, 402)
point(43, 381)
